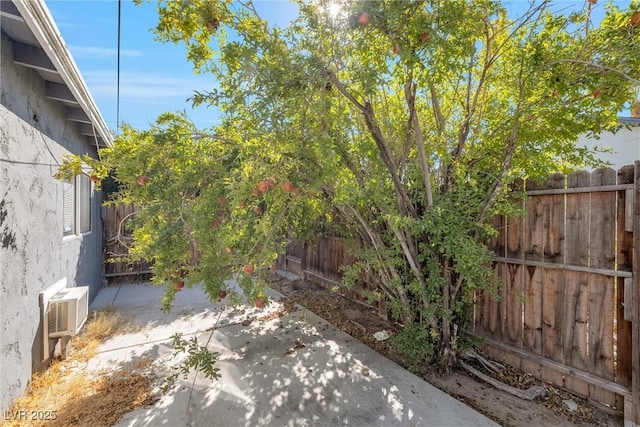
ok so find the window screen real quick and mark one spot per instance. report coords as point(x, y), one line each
point(76, 205)
point(84, 203)
point(69, 205)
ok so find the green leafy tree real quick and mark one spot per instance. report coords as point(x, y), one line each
point(402, 125)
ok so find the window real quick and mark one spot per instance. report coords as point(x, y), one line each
point(76, 213)
point(84, 203)
point(68, 214)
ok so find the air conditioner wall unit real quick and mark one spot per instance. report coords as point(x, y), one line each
point(67, 311)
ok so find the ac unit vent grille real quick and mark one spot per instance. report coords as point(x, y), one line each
point(67, 311)
point(83, 307)
point(58, 316)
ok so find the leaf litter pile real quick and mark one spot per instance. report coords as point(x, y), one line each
point(362, 322)
point(86, 399)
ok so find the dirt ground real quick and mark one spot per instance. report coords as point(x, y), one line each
point(362, 322)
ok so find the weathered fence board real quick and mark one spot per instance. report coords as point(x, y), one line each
point(552, 319)
point(533, 280)
point(625, 221)
point(514, 231)
point(632, 411)
point(482, 317)
point(575, 319)
point(577, 220)
point(533, 276)
point(512, 306)
point(601, 316)
point(495, 305)
point(601, 288)
point(553, 284)
point(554, 221)
point(534, 230)
point(602, 228)
point(623, 338)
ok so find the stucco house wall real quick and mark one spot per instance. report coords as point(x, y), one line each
point(625, 143)
point(35, 134)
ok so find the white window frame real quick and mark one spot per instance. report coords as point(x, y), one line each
point(82, 214)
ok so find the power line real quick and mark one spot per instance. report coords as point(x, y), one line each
point(118, 73)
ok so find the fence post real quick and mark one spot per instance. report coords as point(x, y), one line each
point(632, 415)
point(303, 260)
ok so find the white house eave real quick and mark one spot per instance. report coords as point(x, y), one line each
point(41, 23)
point(633, 121)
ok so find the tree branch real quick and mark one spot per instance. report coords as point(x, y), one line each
point(410, 89)
point(404, 202)
point(595, 65)
point(377, 244)
point(471, 100)
point(410, 258)
point(338, 84)
point(498, 183)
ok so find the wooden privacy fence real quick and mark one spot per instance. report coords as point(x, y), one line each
point(564, 311)
point(568, 310)
point(116, 237)
point(321, 263)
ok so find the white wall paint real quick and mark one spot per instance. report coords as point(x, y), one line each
point(625, 144)
point(34, 136)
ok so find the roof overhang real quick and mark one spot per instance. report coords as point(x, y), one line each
point(37, 44)
point(633, 121)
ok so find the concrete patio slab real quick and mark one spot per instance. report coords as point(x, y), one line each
point(294, 370)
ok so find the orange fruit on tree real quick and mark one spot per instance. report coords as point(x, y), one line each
point(364, 19)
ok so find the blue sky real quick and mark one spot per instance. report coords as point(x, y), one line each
point(154, 77)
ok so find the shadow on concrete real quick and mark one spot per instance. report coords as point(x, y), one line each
point(291, 370)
